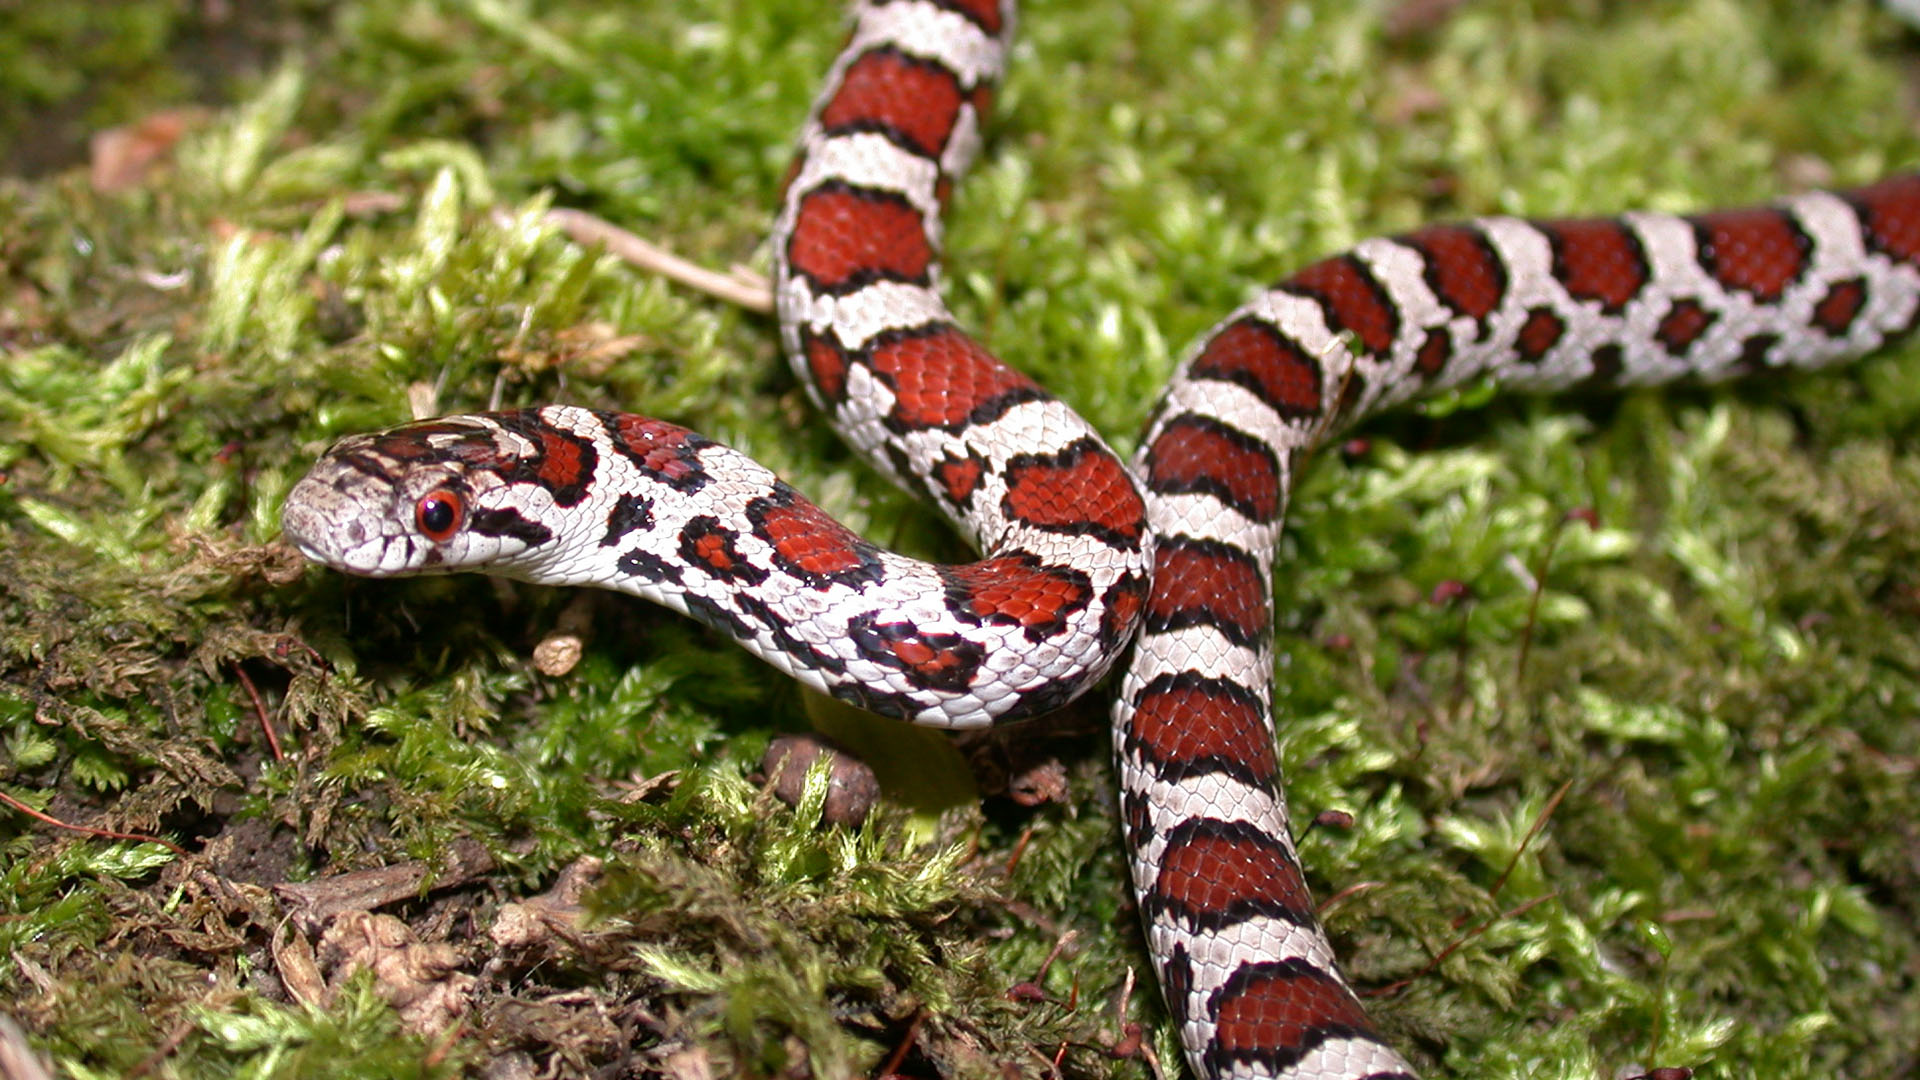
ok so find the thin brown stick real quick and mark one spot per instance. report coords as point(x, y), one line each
point(1592, 520)
point(1019, 849)
point(748, 290)
point(1354, 889)
point(1455, 945)
point(891, 1066)
point(1539, 822)
point(444, 1045)
point(162, 1052)
point(260, 710)
point(139, 838)
point(285, 645)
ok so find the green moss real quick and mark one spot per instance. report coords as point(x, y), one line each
point(1722, 672)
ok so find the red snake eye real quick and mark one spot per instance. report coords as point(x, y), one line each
point(439, 514)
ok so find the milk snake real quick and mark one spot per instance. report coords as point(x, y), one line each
point(1084, 555)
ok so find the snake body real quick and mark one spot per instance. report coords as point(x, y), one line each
point(1082, 553)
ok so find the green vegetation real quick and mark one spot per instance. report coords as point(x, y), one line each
point(1723, 674)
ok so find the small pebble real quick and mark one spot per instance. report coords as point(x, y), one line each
point(852, 788)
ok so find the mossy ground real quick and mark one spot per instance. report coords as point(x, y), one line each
point(1723, 676)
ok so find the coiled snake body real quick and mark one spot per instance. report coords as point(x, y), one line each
point(1082, 554)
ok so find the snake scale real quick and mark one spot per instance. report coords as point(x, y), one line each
point(1084, 555)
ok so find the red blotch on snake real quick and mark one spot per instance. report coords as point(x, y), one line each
point(886, 91)
point(1253, 354)
point(1682, 325)
point(1890, 212)
point(1539, 334)
point(941, 378)
point(1598, 259)
point(1278, 1008)
point(1835, 312)
point(1462, 270)
point(845, 237)
point(809, 543)
point(1188, 724)
point(1759, 252)
point(1353, 300)
point(1018, 590)
point(984, 13)
point(958, 477)
point(827, 363)
point(1205, 583)
point(1199, 455)
point(1082, 489)
point(1215, 873)
point(667, 452)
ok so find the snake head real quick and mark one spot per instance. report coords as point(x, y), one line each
point(435, 496)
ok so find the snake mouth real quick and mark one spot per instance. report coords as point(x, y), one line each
point(307, 551)
point(318, 551)
point(301, 526)
point(328, 529)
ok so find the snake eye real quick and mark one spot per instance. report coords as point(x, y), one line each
point(439, 514)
